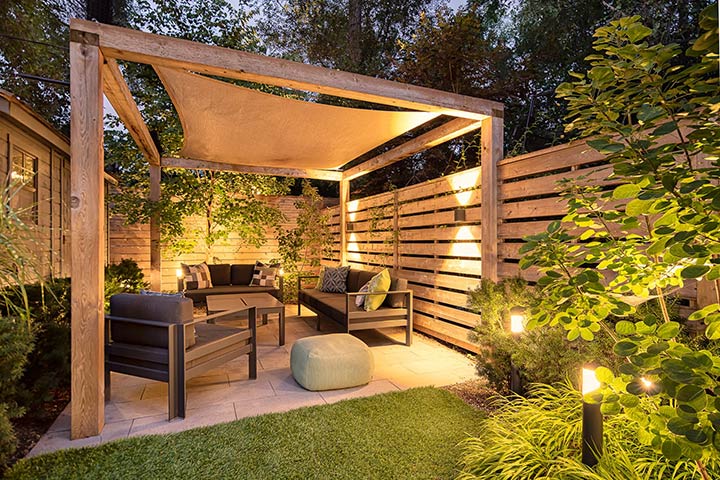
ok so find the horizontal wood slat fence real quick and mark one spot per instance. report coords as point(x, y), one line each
point(430, 233)
point(133, 241)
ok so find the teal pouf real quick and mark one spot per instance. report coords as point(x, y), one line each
point(329, 362)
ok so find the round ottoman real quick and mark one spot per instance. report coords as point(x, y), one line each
point(329, 362)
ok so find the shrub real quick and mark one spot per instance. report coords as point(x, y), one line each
point(16, 342)
point(543, 355)
point(540, 437)
point(48, 366)
point(127, 274)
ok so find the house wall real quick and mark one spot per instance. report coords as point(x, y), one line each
point(49, 191)
point(413, 231)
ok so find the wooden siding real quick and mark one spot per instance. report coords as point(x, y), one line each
point(51, 195)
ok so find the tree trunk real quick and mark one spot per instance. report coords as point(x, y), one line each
point(355, 33)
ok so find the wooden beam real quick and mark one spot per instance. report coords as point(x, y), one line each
point(173, 162)
point(118, 93)
point(154, 49)
point(490, 154)
point(441, 134)
point(155, 254)
point(344, 199)
point(88, 233)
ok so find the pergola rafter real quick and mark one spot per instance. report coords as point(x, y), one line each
point(94, 50)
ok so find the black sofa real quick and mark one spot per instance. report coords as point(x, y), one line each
point(228, 279)
point(395, 311)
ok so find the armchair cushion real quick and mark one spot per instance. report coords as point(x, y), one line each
point(169, 309)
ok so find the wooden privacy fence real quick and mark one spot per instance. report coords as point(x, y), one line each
point(430, 233)
point(133, 241)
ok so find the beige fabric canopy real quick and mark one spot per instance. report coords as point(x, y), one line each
point(226, 123)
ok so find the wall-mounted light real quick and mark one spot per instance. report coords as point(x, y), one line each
point(460, 214)
point(592, 420)
point(349, 227)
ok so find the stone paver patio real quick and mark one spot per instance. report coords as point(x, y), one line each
point(139, 406)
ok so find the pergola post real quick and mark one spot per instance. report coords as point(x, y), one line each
point(491, 152)
point(155, 254)
point(88, 233)
point(344, 199)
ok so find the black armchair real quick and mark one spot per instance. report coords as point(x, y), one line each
point(156, 337)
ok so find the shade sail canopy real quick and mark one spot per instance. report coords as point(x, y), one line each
point(226, 123)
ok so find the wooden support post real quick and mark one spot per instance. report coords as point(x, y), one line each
point(490, 154)
point(155, 254)
point(707, 293)
point(88, 232)
point(344, 199)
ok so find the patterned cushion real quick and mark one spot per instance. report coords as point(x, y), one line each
point(264, 275)
point(360, 299)
point(379, 283)
point(198, 274)
point(335, 280)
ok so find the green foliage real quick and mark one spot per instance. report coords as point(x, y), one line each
point(123, 277)
point(16, 342)
point(655, 120)
point(543, 355)
point(18, 253)
point(540, 437)
point(302, 248)
point(48, 365)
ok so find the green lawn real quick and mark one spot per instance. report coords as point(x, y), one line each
point(411, 434)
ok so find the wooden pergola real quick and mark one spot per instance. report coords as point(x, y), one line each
point(94, 51)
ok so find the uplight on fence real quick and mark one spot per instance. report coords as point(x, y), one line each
point(592, 420)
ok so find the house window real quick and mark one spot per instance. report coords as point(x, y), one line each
point(23, 174)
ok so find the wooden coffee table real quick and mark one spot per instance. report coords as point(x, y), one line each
point(264, 303)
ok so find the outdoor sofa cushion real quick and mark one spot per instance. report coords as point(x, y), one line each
point(329, 362)
point(220, 274)
point(199, 295)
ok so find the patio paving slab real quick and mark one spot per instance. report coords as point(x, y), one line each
point(139, 406)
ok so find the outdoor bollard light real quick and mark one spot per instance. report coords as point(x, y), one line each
point(592, 421)
point(180, 282)
point(517, 327)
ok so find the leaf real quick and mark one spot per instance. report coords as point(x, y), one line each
point(712, 331)
point(648, 113)
point(625, 328)
point(638, 31)
point(586, 334)
point(668, 330)
point(625, 348)
point(629, 190)
point(664, 129)
point(704, 312)
point(694, 271)
point(604, 375)
point(638, 207)
point(671, 450)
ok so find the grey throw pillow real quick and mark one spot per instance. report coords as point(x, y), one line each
point(335, 280)
point(397, 300)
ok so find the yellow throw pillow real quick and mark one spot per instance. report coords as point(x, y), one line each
point(378, 283)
